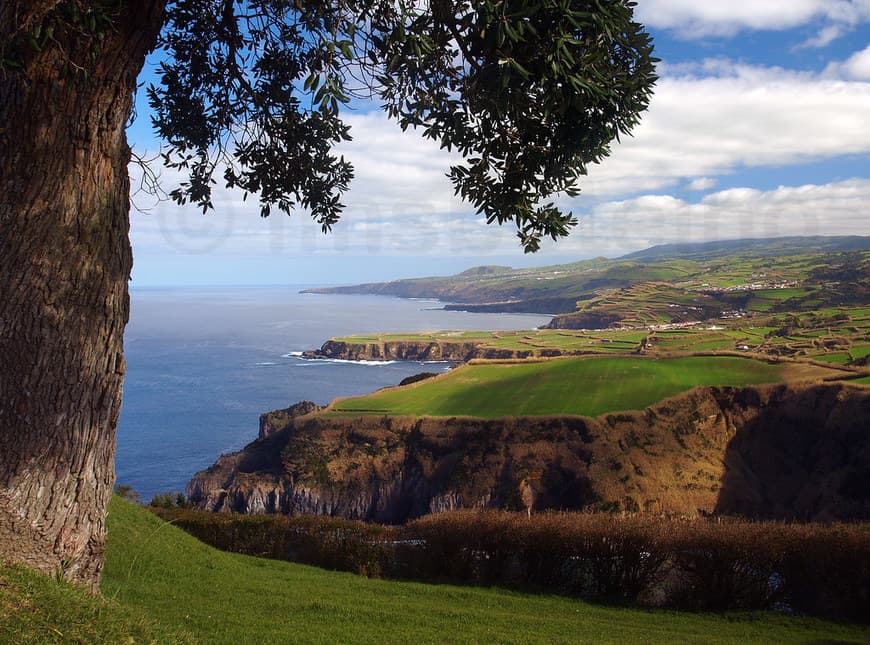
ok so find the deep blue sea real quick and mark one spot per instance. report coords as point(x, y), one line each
point(204, 363)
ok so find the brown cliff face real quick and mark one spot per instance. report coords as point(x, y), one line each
point(459, 352)
point(272, 422)
point(396, 351)
point(775, 452)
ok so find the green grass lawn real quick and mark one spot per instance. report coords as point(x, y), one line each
point(36, 610)
point(225, 598)
point(164, 586)
point(588, 386)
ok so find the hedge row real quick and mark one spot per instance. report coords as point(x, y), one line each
point(687, 564)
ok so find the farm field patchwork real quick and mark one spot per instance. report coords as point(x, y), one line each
point(837, 335)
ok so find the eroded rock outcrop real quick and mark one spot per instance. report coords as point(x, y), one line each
point(584, 320)
point(776, 452)
point(271, 422)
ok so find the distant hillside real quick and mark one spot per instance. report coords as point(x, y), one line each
point(705, 251)
point(678, 282)
point(548, 289)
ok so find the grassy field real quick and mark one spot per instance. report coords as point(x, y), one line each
point(586, 386)
point(161, 585)
point(35, 610)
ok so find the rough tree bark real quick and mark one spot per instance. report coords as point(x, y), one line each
point(65, 260)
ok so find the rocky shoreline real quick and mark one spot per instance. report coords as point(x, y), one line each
point(451, 351)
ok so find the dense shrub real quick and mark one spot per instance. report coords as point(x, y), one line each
point(690, 564)
point(170, 500)
point(127, 492)
point(260, 535)
point(331, 543)
point(826, 571)
point(589, 555)
point(415, 378)
point(334, 543)
point(728, 565)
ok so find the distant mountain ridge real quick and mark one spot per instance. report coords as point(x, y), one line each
point(683, 268)
point(702, 251)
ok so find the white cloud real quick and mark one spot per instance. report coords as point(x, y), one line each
point(612, 228)
point(707, 119)
point(701, 183)
point(621, 226)
point(825, 37)
point(400, 191)
point(694, 19)
point(856, 67)
point(713, 117)
point(396, 173)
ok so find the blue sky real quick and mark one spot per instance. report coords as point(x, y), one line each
point(759, 127)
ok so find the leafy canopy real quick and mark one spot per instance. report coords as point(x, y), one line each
point(530, 92)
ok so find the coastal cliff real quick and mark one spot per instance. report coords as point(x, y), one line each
point(772, 452)
point(454, 351)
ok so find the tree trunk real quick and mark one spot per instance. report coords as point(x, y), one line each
point(65, 260)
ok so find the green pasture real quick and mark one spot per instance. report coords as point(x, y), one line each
point(710, 345)
point(359, 339)
point(837, 358)
point(782, 295)
point(584, 386)
point(161, 585)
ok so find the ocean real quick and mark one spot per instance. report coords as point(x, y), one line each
point(204, 363)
